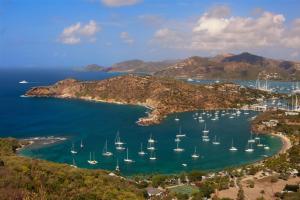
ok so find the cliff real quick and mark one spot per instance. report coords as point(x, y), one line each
point(164, 96)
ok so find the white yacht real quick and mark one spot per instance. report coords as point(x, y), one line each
point(73, 149)
point(249, 148)
point(81, 144)
point(195, 155)
point(215, 141)
point(141, 152)
point(232, 148)
point(150, 147)
point(23, 82)
point(177, 139)
point(251, 140)
point(259, 144)
point(127, 160)
point(117, 166)
point(151, 140)
point(152, 155)
point(266, 147)
point(177, 149)
point(180, 134)
point(94, 161)
point(105, 150)
point(176, 119)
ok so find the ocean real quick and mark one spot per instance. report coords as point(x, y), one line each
point(94, 123)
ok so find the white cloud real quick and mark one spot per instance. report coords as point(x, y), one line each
point(126, 38)
point(118, 3)
point(218, 30)
point(72, 35)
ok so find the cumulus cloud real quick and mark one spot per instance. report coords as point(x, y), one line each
point(72, 35)
point(218, 30)
point(126, 38)
point(118, 3)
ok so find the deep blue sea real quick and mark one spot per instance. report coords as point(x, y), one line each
point(94, 123)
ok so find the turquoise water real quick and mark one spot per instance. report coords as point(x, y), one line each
point(96, 122)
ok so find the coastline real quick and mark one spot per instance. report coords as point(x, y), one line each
point(286, 143)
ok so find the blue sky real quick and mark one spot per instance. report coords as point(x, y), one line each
point(70, 33)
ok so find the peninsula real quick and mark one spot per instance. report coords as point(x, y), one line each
point(163, 95)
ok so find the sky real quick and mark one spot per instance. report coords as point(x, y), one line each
point(74, 33)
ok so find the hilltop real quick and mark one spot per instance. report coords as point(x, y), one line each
point(225, 66)
point(26, 178)
point(164, 96)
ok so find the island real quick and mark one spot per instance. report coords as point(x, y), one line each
point(163, 96)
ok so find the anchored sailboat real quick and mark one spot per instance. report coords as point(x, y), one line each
point(118, 142)
point(195, 155)
point(177, 149)
point(127, 160)
point(81, 144)
point(73, 149)
point(141, 152)
point(232, 148)
point(105, 150)
point(117, 166)
point(73, 163)
point(216, 142)
point(94, 161)
point(180, 134)
point(152, 155)
point(249, 148)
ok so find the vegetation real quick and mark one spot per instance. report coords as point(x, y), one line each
point(24, 178)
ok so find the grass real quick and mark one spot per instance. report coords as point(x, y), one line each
point(184, 189)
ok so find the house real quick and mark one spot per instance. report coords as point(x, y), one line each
point(151, 191)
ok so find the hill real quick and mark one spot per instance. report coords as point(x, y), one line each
point(26, 178)
point(164, 96)
point(226, 66)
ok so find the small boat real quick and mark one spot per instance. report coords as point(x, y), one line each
point(177, 139)
point(266, 147)
point(177, 149)
point(180, 134)
point(23, 82)
point(249, 149)
point(176, 119)
point(201, 120)
point(251, 140)
point(206, 139)
point(127, 160)
point(94, 161)
point(118, 139)
point(232, 148)
point(205, 130)
point(195, 155)
point(151, 140)
point(259, 144)
point(150, 147)
point(73, 163)
point(141, 152)
point(81, 144)
point(256, 137)
point(215, 142)
point(117, 166)
point(184, 164)
point(152, 155)
point(73, 149)
point(105, 151)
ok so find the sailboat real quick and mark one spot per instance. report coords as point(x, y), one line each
point(249, 148)
point(205, 137)
point(105, 150)
point(151, 140)
point(23, 82)
point(152, 155)
point(94, 161)
point(232, 148)
point(178, 135)
point(81, 144)
point(176, 119)
point(141, 153)
point(127, 160)
point(251, 140)
point(118, 142)
point(256, 137)
point(215, 142)
point(266, 147)
point(73, 149)
point(259, 144)
point(117, 166)
point(150, 147)
point(177, 149)
point(177, 139)
point(73, 163)
point(195, 155)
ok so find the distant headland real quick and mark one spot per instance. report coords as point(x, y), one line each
point(162, 95)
